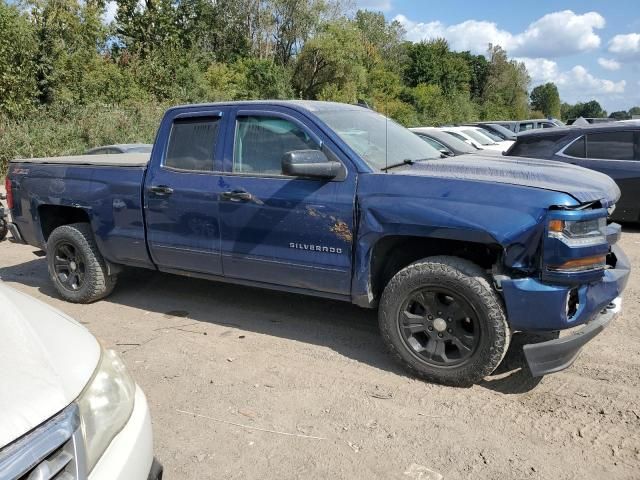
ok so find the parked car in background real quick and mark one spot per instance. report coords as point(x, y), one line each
point(445, 142)
point(611, 148)
point(498, 130)
point(338, 201)
point(479, 138)
point(518, 126)
point(68, 408)
point(121, 148)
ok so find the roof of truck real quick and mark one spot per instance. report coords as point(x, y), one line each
point(310, 105)
point(118, 160)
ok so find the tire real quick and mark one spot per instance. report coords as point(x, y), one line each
point(76, 266)
point(442, 319)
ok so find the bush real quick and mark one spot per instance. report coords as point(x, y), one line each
point(64, 130)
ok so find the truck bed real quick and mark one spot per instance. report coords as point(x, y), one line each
point(111, 160)
point(105, 189)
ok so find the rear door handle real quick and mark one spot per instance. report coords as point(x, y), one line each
point(237, 196)
point(161, 190)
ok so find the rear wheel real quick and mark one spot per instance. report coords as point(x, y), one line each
point(76, 266)
point(443, 320)
point(4, 229)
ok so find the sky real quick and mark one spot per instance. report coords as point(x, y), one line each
point(589, 49)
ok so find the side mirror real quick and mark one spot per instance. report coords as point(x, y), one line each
point(309, 163)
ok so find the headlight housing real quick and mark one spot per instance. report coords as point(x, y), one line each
point(105, 405)
point(579, 233)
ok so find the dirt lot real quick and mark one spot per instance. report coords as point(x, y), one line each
point(317, 368)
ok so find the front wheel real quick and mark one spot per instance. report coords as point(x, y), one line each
point(442, 319)
point(76, 266)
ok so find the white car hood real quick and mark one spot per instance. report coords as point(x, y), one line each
point(46, 359)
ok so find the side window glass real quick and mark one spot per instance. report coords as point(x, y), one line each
point(526, 126)
point(192, 144)
point(576, 149)
point(261, 142)
point(610, 145)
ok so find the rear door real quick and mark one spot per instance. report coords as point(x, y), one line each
point(181, 201)
point(617, 154)
point(280, 230)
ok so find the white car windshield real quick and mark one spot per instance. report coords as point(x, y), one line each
point(478, 137)
point(379, 141)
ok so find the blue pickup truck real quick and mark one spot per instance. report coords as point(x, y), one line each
point(337, 201)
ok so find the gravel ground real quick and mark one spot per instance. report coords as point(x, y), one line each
point(286, 386)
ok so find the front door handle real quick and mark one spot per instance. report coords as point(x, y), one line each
point(161, 190)
point(237, 196)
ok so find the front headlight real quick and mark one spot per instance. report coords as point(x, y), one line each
point(579, 233)
point(105, 405)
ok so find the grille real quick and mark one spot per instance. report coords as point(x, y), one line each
point(53, 451)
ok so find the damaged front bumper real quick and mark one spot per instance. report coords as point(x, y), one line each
point(535, 306)
point(555, 355)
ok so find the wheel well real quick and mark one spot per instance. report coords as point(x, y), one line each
point(391, 254)
point(54, 216)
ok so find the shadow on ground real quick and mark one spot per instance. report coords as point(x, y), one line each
point(342, 327)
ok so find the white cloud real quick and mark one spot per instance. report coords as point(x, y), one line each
point(375, 5)
point(541, 70)
point(609, 63)
point(575, 84)
point(626, 46)
point(110, 10)
point(579, 78)
point(553, 35)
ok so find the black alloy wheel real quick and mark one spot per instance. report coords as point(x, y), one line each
point(439, 326)
point(69, 266)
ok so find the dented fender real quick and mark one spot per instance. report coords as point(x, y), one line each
point(508, 216)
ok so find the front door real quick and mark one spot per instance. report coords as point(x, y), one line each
point(282, 230)
point(180, 196)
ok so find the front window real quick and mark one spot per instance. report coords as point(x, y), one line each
point(378, 140)
point(261, 142)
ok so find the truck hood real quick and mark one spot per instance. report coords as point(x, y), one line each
point(582, 184)
point(46, 359)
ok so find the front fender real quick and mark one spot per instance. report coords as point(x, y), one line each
point(508, 216)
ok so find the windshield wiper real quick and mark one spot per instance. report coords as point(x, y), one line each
point(406, 161)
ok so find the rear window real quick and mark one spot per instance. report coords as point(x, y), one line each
point(610, 145)
point(534, 146)
point(576, 149)
point(192, 144)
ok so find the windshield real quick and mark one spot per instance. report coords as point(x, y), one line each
point(505, 132)
point(452, 141)
point(493, 136)
point(478, 137)
point(378, 140)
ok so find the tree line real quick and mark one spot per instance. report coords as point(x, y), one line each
point(59, 61)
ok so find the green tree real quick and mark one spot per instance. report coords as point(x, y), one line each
point(382, 40)
point(546, 99)
point(620, 115)
point(478, 73)
point(18, 46)
point(331, 65)
point(634, 111)
point(591, 109)
point(505, 93)
point(432, 63)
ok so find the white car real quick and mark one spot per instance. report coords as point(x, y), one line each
point(68, 408)
point(478, 138)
